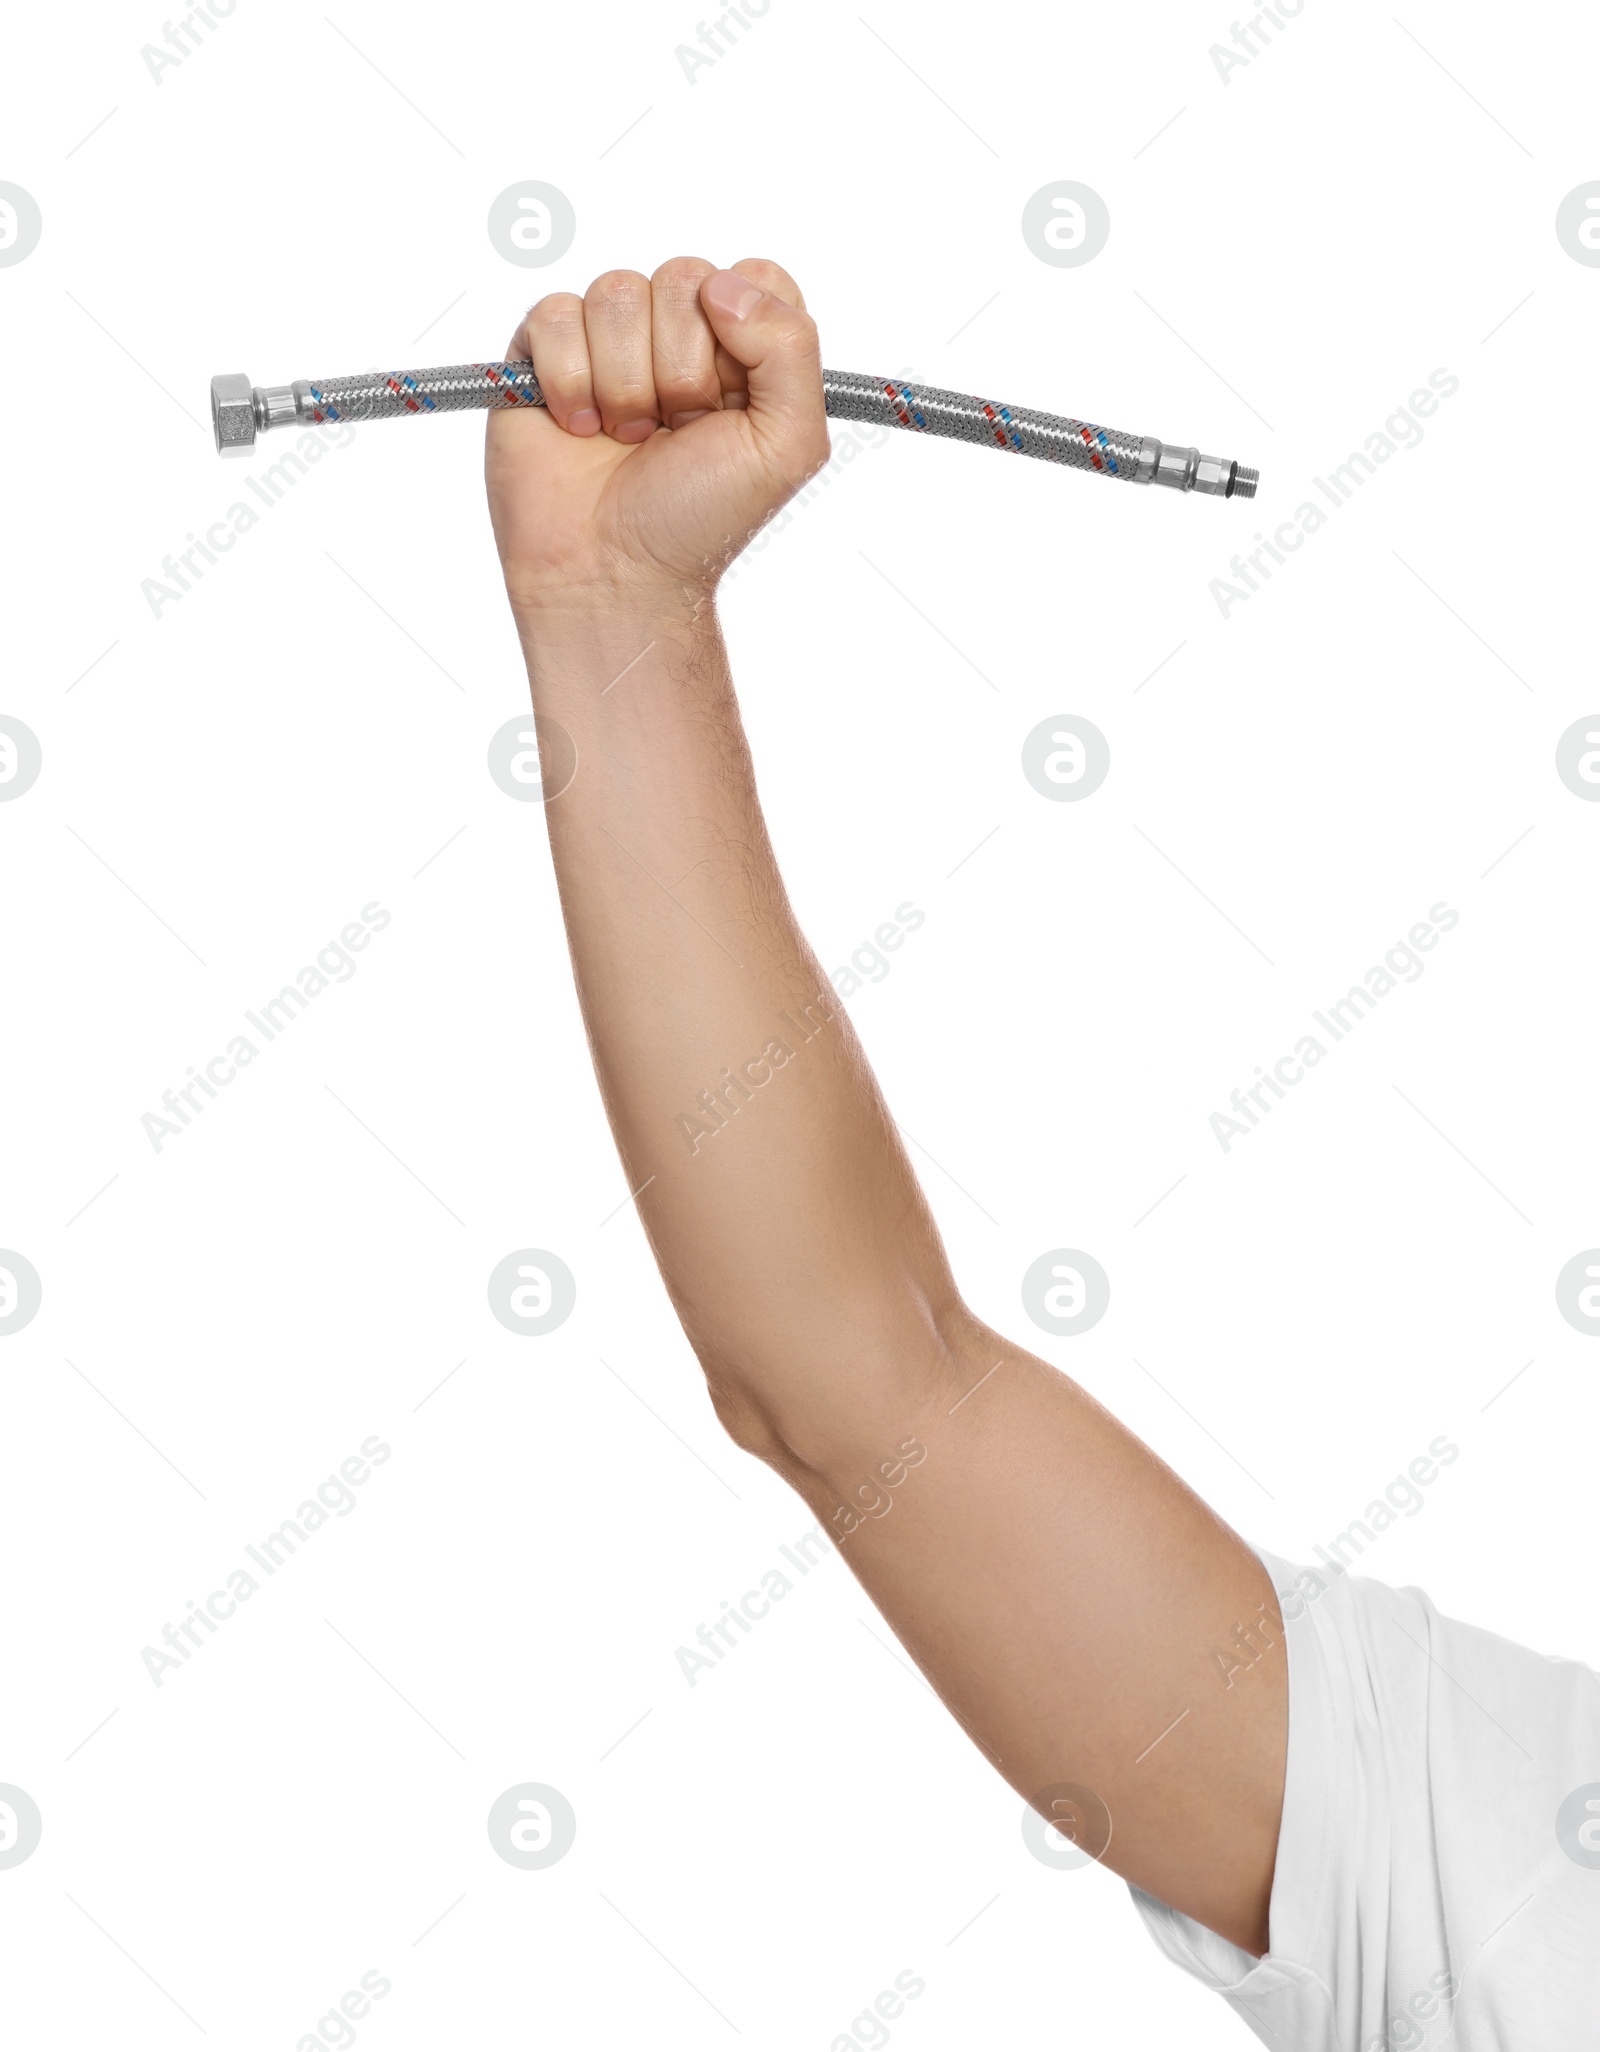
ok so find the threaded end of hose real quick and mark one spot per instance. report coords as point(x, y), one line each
point(1244, 482)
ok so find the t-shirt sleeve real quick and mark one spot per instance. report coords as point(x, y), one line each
point(1423, 1885)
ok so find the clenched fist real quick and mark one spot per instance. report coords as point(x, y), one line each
point(681, 411)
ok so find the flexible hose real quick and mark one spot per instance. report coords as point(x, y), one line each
point(240, 410)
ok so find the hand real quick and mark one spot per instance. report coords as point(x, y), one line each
point(681, 411)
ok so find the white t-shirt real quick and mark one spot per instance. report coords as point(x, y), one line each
point(1438, 1876)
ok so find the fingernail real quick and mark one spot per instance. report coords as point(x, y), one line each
point(586, 421)
point(679, 420)
point(634, 430)
point(731, 295)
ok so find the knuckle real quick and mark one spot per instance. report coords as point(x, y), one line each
point(619, 289)
point(628, 398)
point(566, 381)
point(560, 315)
point(686, 370)
point(795, 335)
point(680, 390)
point(678, 280)
point(801, 331)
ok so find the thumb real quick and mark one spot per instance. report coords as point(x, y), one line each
point(777, 345)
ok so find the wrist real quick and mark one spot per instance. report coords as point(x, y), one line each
point(605, 617)
point(579, 644)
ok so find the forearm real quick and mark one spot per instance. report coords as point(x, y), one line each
point(789, 1229)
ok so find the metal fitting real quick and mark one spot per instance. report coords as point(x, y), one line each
point(1219, 477)
point(240, 411)
point(233, 413)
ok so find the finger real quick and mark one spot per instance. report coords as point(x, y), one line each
point(558, 345)
point(771, 278)
point(685, 349)
point(777, 344)
point(732, 381)
point(616, 316)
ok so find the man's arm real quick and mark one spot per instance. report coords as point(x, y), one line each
point(1061, 1588)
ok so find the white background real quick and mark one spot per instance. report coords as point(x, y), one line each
point(230, 782)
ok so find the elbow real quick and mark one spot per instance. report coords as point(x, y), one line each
point(822, 1401)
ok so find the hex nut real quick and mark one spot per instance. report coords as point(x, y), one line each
point(1211, 475)
point(1175, 468)
point(233, 413)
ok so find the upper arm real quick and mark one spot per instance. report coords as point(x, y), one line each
point(1078, 1608)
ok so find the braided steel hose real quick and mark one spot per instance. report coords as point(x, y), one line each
point(240, 411)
